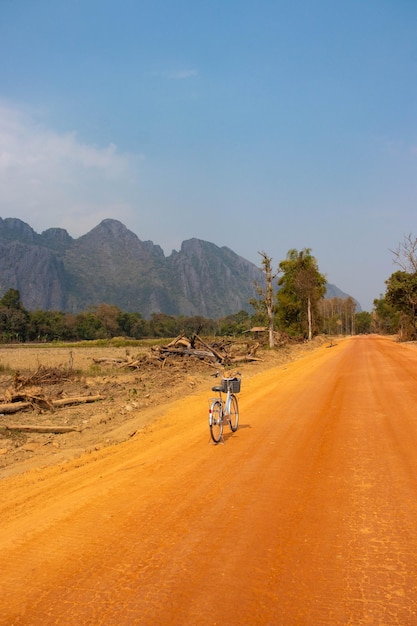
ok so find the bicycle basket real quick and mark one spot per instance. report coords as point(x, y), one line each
point(234, 385)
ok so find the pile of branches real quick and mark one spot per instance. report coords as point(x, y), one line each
point(13, 402)
point(220, 352)
point(43, 376)
point(26, 394)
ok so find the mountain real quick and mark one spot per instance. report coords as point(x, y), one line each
point(334, 292)
point(110, 264)
point(53, 271)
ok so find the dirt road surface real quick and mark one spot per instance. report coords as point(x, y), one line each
point(305, 516)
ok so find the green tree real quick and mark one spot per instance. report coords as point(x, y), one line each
point(133, 325)
point(301, 287)
point(11, 300)
point(234, 324)
point(401, 292)
point(109, 316)
point(163, 325)
point(48, 326)
point(89, 326)
point(196, 325)
point(385, 317)
point(14, 318)
point(363, 323)
point(402, 295)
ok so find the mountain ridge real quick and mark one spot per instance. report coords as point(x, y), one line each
point(54, 271)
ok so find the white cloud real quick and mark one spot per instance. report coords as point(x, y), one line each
point(49, 179)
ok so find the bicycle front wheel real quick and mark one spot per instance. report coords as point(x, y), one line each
point(216, 421)
point(234, 413)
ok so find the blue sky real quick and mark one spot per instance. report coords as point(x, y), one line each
point(261, 126)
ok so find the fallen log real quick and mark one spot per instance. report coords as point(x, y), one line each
point(180, 341)
point(131, 364)
point(219, 356)
point(76, 400)
point(110, 360)
point(42, 429)
point(243, 357)
point(37, 400)
point(14, 407)
point(188, 352)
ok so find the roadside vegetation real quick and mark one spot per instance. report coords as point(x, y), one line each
point(396, 310)
point(290, 304)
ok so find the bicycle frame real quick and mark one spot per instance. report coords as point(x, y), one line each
point(224, 409)
point(227, 401)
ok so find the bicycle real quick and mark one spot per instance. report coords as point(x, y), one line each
point(222, 410)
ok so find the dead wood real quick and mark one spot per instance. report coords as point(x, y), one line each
point(187, 352)
point(43, 376)
point(14, 407)
point(22, 403)
point(220, 352)
point(34, 399)
point(23, 399)
point(76, 400)
point(131, 364)
point(217, 354)
point(110, 361)
point(180, 341)
point(42, 429)
point(242, 358)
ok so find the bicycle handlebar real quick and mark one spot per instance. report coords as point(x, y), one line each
point(217, 374)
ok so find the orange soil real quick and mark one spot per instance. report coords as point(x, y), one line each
point(304, 516)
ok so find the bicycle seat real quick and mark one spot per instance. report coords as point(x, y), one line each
point(217, 388)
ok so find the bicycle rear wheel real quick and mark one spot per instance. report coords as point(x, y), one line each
point(216, 420)
point(234, 413)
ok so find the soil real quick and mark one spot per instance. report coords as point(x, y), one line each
point(305, 515)
point(131, 400)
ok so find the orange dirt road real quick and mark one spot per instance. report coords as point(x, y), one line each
point(306, 515)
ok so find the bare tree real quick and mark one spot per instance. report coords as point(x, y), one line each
point(405, 256)
point(267, 294)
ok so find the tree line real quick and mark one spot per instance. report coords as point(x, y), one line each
point(290, 301)
point(298, 307)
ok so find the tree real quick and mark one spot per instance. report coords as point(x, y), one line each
point(11, 300)
point(363, 322)
point(405, 256)
point(133, 325)
point(196, 325)
point(234, 324)
point(48, 326)
point(110, 317)
point(89, 326)
point(338, 315)
point(401, 291)
point(302, 287)
point(385, 318)
point(402, 295)
point(13, 317)
point(266, 304)
point(163, 325)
